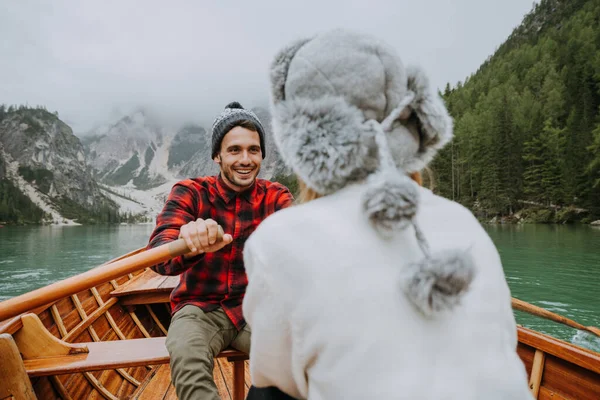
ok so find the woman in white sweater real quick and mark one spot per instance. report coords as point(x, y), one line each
point(377, 288)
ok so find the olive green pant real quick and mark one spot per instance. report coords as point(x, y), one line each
point(193, 340)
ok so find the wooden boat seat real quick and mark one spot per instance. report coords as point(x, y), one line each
point(111, 355)
point(43, 354)
point(102, 355)
point(146, 288)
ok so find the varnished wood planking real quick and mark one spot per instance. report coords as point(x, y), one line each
point(144, 382)
point(571, 353)
point(99, 387)
point(84, 295)
point(78, 387)
point(102, 327)
point(12, 374)
point(64, 305)
point(156, 319)
point(248, 378)
point(48, 322)
point(537, 371)
point(104, 291)
point(83, 325)
point(163, 313)
point(111, 381)
point(546, 394)
point(103, 355)
point(44, 389)
point(71, 319)
point(147, 380)
point(171, 394)
point(145, 298)
point(141, 326)
point(124, 324)
point(162, 389)
point(67, 311)
point(526, 354)
point(158, 387)
point(563, 377)
point(139, 373)
point(129, 328)
point(148, 281)
point(221, 380)
point(122, 389)
point(36, 342)
point(227, 370)
point(60, 388)
point(84, 337)
point(12, 325)
point(146, 288)
point(147, 322)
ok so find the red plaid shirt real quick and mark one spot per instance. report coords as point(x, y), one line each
point(218, 279)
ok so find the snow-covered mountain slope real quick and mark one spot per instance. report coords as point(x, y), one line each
point(132, 150)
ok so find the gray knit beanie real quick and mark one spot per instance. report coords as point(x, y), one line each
point(345, 110)
point(233, 114)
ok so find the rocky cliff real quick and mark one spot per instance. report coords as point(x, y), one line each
point(41, 156)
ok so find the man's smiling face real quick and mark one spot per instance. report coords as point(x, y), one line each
point(240, 157)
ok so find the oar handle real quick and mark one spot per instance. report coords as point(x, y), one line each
point(96, 276)
point(541, 312)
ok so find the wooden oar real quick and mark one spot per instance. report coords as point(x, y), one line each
point(541, 312)
point(96, 276)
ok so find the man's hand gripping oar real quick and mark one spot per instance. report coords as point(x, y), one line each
point(204, 236)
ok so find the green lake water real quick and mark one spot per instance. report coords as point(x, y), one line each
point(552, 266)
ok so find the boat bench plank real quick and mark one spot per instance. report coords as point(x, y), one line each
point(145, 288)
point(110, 355)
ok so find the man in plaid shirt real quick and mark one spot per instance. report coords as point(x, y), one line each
point(207, 302)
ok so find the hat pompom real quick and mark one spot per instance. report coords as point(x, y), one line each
point(390, 202)
point(437, 284)
point(234, 104)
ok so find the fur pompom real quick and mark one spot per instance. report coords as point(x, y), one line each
point(325, 141)
point(390, 202)
point(437, 284)
point(279, 69)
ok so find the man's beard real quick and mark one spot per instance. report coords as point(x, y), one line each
point(232, 177)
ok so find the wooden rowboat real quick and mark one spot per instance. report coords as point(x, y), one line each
point(100, 335)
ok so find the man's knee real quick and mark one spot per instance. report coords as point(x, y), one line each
point(194, 334)
point(188, 334)
point(183, 351)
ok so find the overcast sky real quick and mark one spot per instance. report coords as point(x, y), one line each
point(94, 60)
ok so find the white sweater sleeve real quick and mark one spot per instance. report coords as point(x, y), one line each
point(271, 346)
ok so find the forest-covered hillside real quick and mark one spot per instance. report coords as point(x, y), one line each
point(527, 126)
